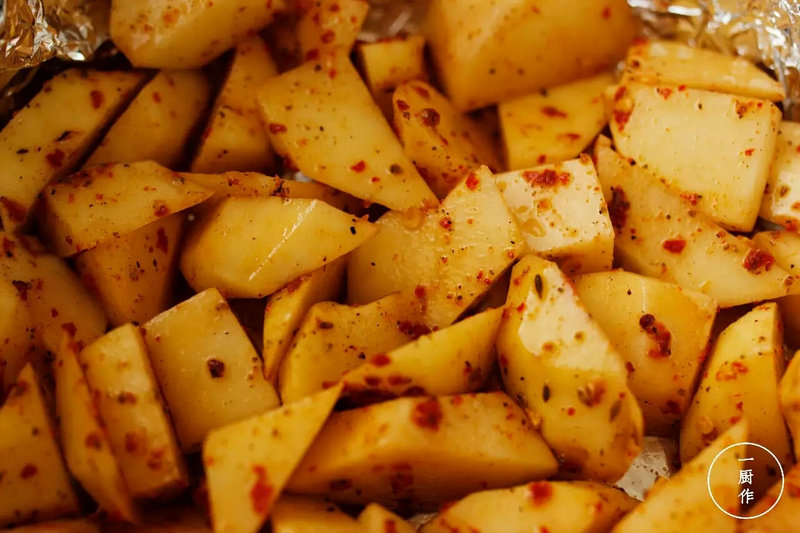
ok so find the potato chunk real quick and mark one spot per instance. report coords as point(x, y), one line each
point(562, 214)
point(388, 63)
point(781, 201)
point(48, 137)
point(789, 390)
point(322, 117)
point(328, 25)
point(450, 255)
point(722, 165)
point(35, 483)
point(17, 334)
point(251, 247)
point(661, 235)
point(555, 124)
point(204, 361)
point(423, 449)
point(558, 364)
point(784, 247)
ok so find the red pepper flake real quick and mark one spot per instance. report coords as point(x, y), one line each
point(374, 179)
point(274, 127)
point(757, 261)
point(681, 87)
point(674, 246)
point(521, 307)
point(731, 372)
point(22, 288)
point(55, 158)
point(262, 492)
point(591, 394)
point(671, 408)
point(156, 97)
point(131, 442)
point(389, 526)
point(402, 105)
point(53, 312)
point(216, 368)
point(618, 208)
point(546, 178)
point(126, 397)
point(422, 91)
point(629, 367)
point(430, 117)
point(570, 411)
point(619, 93)
point(162, 242)
point(691, 197)
point(93, 441)
point(332, 73)
point(97, 98)
point(419, 291)
point(606, 12)
point(372, 381)
point(328, 37)
point(413, 329)
point(16, 211)
point(659, 333)
point(540, 492)
point(749, 151)
point(665, 92)
point(312, 54)
point(427, 414)
point(359, 167)
point(553, 112)
point(380, 359)
point(473, 181)
point(572, 136)
point(340, 484)
point(28, 470)
point(396, 380)
point(446, 223)
point(621, 118)
point(161, 210)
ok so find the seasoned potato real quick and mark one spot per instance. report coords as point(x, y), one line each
point(449, 255)
point(452, 360)
point(251, 247)
point(304, 515)
point(562, 214)
point(659, 330)
point(563, 506)
point(555, 124)
point(35, 482)
point(86, 447)
point(389, 62)
point(158, 122)
point(781, 201)
point(98, 204)
point(377, 519)
point(722, 170)
point(423, 449)
point(673, 63)
point(789, 391)
point(784, 248)
point(488, 52)
point(663, 236)
point(248, 462)
point(17, 334)
point(333, 339)
point(328, 25)
point(185, 33)
point(118, 370)
point(286, 309)
point(204, 361)
point(443, 144)
point(48, 137)
point(234, 138)
point(322, 117)
point(781, 518)
point(559, 365)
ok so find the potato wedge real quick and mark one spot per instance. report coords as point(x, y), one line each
point(304, 515)
point(675, 63)
point(650, 125)
point(781, 201)
point(453, 360)
point(118, 370)
point(17, 334)
point(450, 255)
point(559, 365)
point(204, 361)
point(663, 236)
point(48, 137)
point(235, 137)
point(563, 506)
point(322, 117)
point(330, 25)
point(158, 122)
point(251, 247)
point(166, 34)
point(87, 450)
point(784, 247)
point(35, 483)
point(562, 214)
point(789, 395)
point(377, 519)
point(389, 62)
point(484, 50)
point(425, 450)
point(247, 463)
point(333, 339)
point(555, 124)
point(98, 204)
point(443, 144)
point(782, 517)
point(661, 331)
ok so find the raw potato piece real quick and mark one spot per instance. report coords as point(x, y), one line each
point(388, 63)
point(563, 506)
point(334, 338)
point(781, 201)
point(206, 364)
point(304, 515)
point(674, 63)
point(663, 236)
point(784, 247)
point(329, 25)
point(682, 503)
point(559, 365)
point(47, 137)
point(286, 308)
point(554, 125)
point(17, 334)
point(185, 34)
point(133, 275)
point(741, 381)
point(118, 370)
point(722, 167)
point(443, 144)
point(426, 450)
point(485, 50)
point(453, 360)
point(35, 483)
point(95, 205)
point(87, 450)
point(377, 519)
point(660, 330)
point(449, 255)
point(251, 247)
point(789, 391)
point(158, 122)
point(322, 117)
point(248, 463)
point(562, 214)
point(235, 138)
